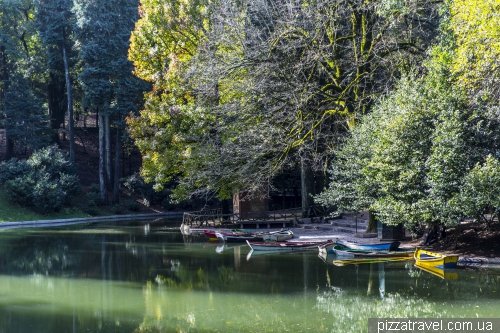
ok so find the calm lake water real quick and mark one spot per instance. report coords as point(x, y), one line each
point(146, 277)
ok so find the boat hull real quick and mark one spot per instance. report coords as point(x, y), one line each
point(424, 258)
point(343, 252)
point(327, 248)
point(237, 238)
point(373, 247)
point(283, 246)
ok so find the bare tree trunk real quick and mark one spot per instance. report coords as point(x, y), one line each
point(372, 222)
point(70, 107)
point(116, 194)
point(108, 160)
point(102, 156)
point(307, 185)
point(56, 115)
point(9, 148)
point(319, 182)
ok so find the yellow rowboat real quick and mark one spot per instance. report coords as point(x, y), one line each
point(424, 258)
point(369, 261)
point(446, 274)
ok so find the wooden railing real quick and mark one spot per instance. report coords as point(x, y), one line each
point(202, 217)
point(215, 216)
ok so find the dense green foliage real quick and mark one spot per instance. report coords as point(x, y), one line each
point(103, 29)
point(21, 57)
point(10, 212)
point(428, 154)
point(58, 54)
point(45, 181)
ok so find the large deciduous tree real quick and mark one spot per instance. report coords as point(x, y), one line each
point(270, 83)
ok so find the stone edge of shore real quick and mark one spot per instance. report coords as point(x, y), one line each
point(56, 222)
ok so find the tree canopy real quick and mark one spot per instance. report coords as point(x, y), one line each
point(245, 89)
point(432, 142)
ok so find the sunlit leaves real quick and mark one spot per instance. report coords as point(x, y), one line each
point(480, 195)
point(166, 35)
point(476, 26)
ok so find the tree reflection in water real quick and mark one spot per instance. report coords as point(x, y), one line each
point(104, 278)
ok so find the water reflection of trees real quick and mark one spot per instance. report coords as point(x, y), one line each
point(95, 253)
point(48, 256)
point(166, 266)
point(350, 294)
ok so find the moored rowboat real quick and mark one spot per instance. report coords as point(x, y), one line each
point(373, 247)
point(358, 261)
point(344, 252)
point(283, 246)
point(327, 248)
point(424, 258)
point(240, 236)
point(212, 237)
point(230, 238)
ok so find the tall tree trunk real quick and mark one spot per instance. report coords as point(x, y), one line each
point(55, 109)
point(108, 160)
point(116, 194)
point(70, 107)
point(307, 184)
point(9, 148)
point(102, 156)
point(372, 222)
point(319, 183)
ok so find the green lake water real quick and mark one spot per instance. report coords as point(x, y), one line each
point(147, 277)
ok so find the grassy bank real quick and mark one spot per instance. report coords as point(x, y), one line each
point(11, 212)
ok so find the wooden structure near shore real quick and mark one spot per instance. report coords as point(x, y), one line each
point(214, 217)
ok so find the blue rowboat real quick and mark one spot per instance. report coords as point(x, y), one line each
point(372, 247)
point(343, 252)
point(283, 246)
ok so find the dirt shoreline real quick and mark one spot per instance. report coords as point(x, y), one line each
point(474, 252)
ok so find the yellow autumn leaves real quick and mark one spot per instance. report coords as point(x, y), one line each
point(476, 28)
